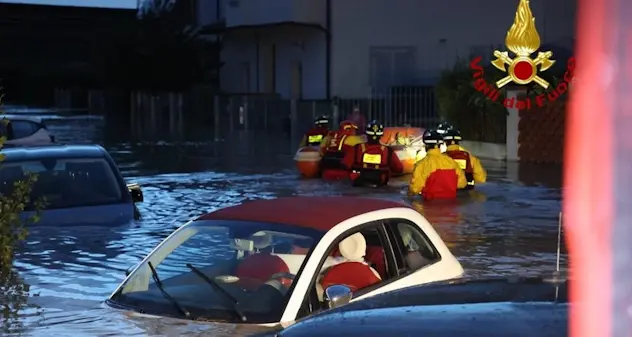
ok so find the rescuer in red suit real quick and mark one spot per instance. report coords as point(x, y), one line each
point(315, 135)
point(372, 163)
point(474, 171)
point(333, 149)
point(436, 176)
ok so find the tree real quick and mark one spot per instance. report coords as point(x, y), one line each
point(13, 292)
point(160, 51)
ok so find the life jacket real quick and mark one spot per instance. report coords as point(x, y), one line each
point(465, 163)
point(315, 136)
point(334, 153)
point(371, 164)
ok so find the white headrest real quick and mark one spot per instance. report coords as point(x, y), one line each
point(406, 234)
point(353, 248)
point(261, 240)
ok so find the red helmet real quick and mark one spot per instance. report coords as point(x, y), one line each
point(348, 126)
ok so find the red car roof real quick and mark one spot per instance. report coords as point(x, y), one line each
point(321, 213)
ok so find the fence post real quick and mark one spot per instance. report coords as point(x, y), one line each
point(265, 115)
point(246, 113)
point(216, 116)
point(132, 112)
point(231, 117)
point(293, 121)
point(180, 105)
point(513, 119)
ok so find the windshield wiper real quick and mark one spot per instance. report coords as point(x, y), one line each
point(175, 303)
point(221, 290)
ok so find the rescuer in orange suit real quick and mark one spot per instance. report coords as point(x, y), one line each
point(315, 135)
point(436, 176)
point(474, 171)
point(372, 163)
point(333, 149)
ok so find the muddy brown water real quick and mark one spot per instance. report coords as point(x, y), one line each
point(505, 227)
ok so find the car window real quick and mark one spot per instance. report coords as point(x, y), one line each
point(358, 261)
point(22, 129)
point(212, 269)
point(414, 248)
point(65, 183)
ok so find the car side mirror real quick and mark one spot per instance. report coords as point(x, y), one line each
point(136, 192)
point(337, 295)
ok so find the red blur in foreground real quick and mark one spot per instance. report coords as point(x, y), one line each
point(588, 168)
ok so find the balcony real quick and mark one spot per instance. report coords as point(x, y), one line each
point(262, 12)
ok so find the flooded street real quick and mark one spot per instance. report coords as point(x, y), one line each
point(505, 227)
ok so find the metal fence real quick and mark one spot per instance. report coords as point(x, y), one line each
point(196, 112)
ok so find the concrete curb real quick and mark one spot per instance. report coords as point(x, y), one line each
point(486, 150)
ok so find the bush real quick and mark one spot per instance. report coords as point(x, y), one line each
point(12, 227)
point(477, 117)
point(13, 231)
point(472, 112)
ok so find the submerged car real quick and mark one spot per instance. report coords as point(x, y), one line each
point(24, 130)
point(478, 308)
point(79, 184)
point(272, 261)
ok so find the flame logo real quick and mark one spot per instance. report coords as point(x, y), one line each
point(523, 40)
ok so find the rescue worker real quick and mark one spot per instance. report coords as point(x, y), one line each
point(372, 163)
point(333, 149)
point(442, 129)
point(436, 176)
point(315, 135)
point(474, 171)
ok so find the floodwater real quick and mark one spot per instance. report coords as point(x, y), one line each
point(505, 227)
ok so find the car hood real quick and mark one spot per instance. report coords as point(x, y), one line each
point(498, 319)
point(462, 305)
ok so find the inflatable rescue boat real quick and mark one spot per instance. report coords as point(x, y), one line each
point(406, 141)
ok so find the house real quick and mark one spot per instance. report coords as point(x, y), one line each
point(318, 49)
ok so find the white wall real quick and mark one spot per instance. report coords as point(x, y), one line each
point(437, 31)
point(293, 43)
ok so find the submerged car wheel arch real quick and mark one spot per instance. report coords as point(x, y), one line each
point(314, 262)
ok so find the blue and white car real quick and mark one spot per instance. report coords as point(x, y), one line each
point(81, 184)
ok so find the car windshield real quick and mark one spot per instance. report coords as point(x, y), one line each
point(65, 183)
point(230, 271)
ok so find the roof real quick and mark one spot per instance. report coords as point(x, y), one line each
point(321, 213)
point(22, 153)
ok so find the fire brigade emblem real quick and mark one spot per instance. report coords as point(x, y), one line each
point(523, 40)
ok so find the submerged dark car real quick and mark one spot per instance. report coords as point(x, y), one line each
point(480, 308)
point(80, 184)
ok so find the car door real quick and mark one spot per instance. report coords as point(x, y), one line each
point(413, 253)
point(420, 254)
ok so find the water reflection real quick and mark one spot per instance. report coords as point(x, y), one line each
point(504, 227)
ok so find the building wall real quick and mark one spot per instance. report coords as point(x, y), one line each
point(251, 65)
point(380, 43)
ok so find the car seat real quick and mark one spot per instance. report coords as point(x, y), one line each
point(353, 272)
point(414, 259)
point(261, 265)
